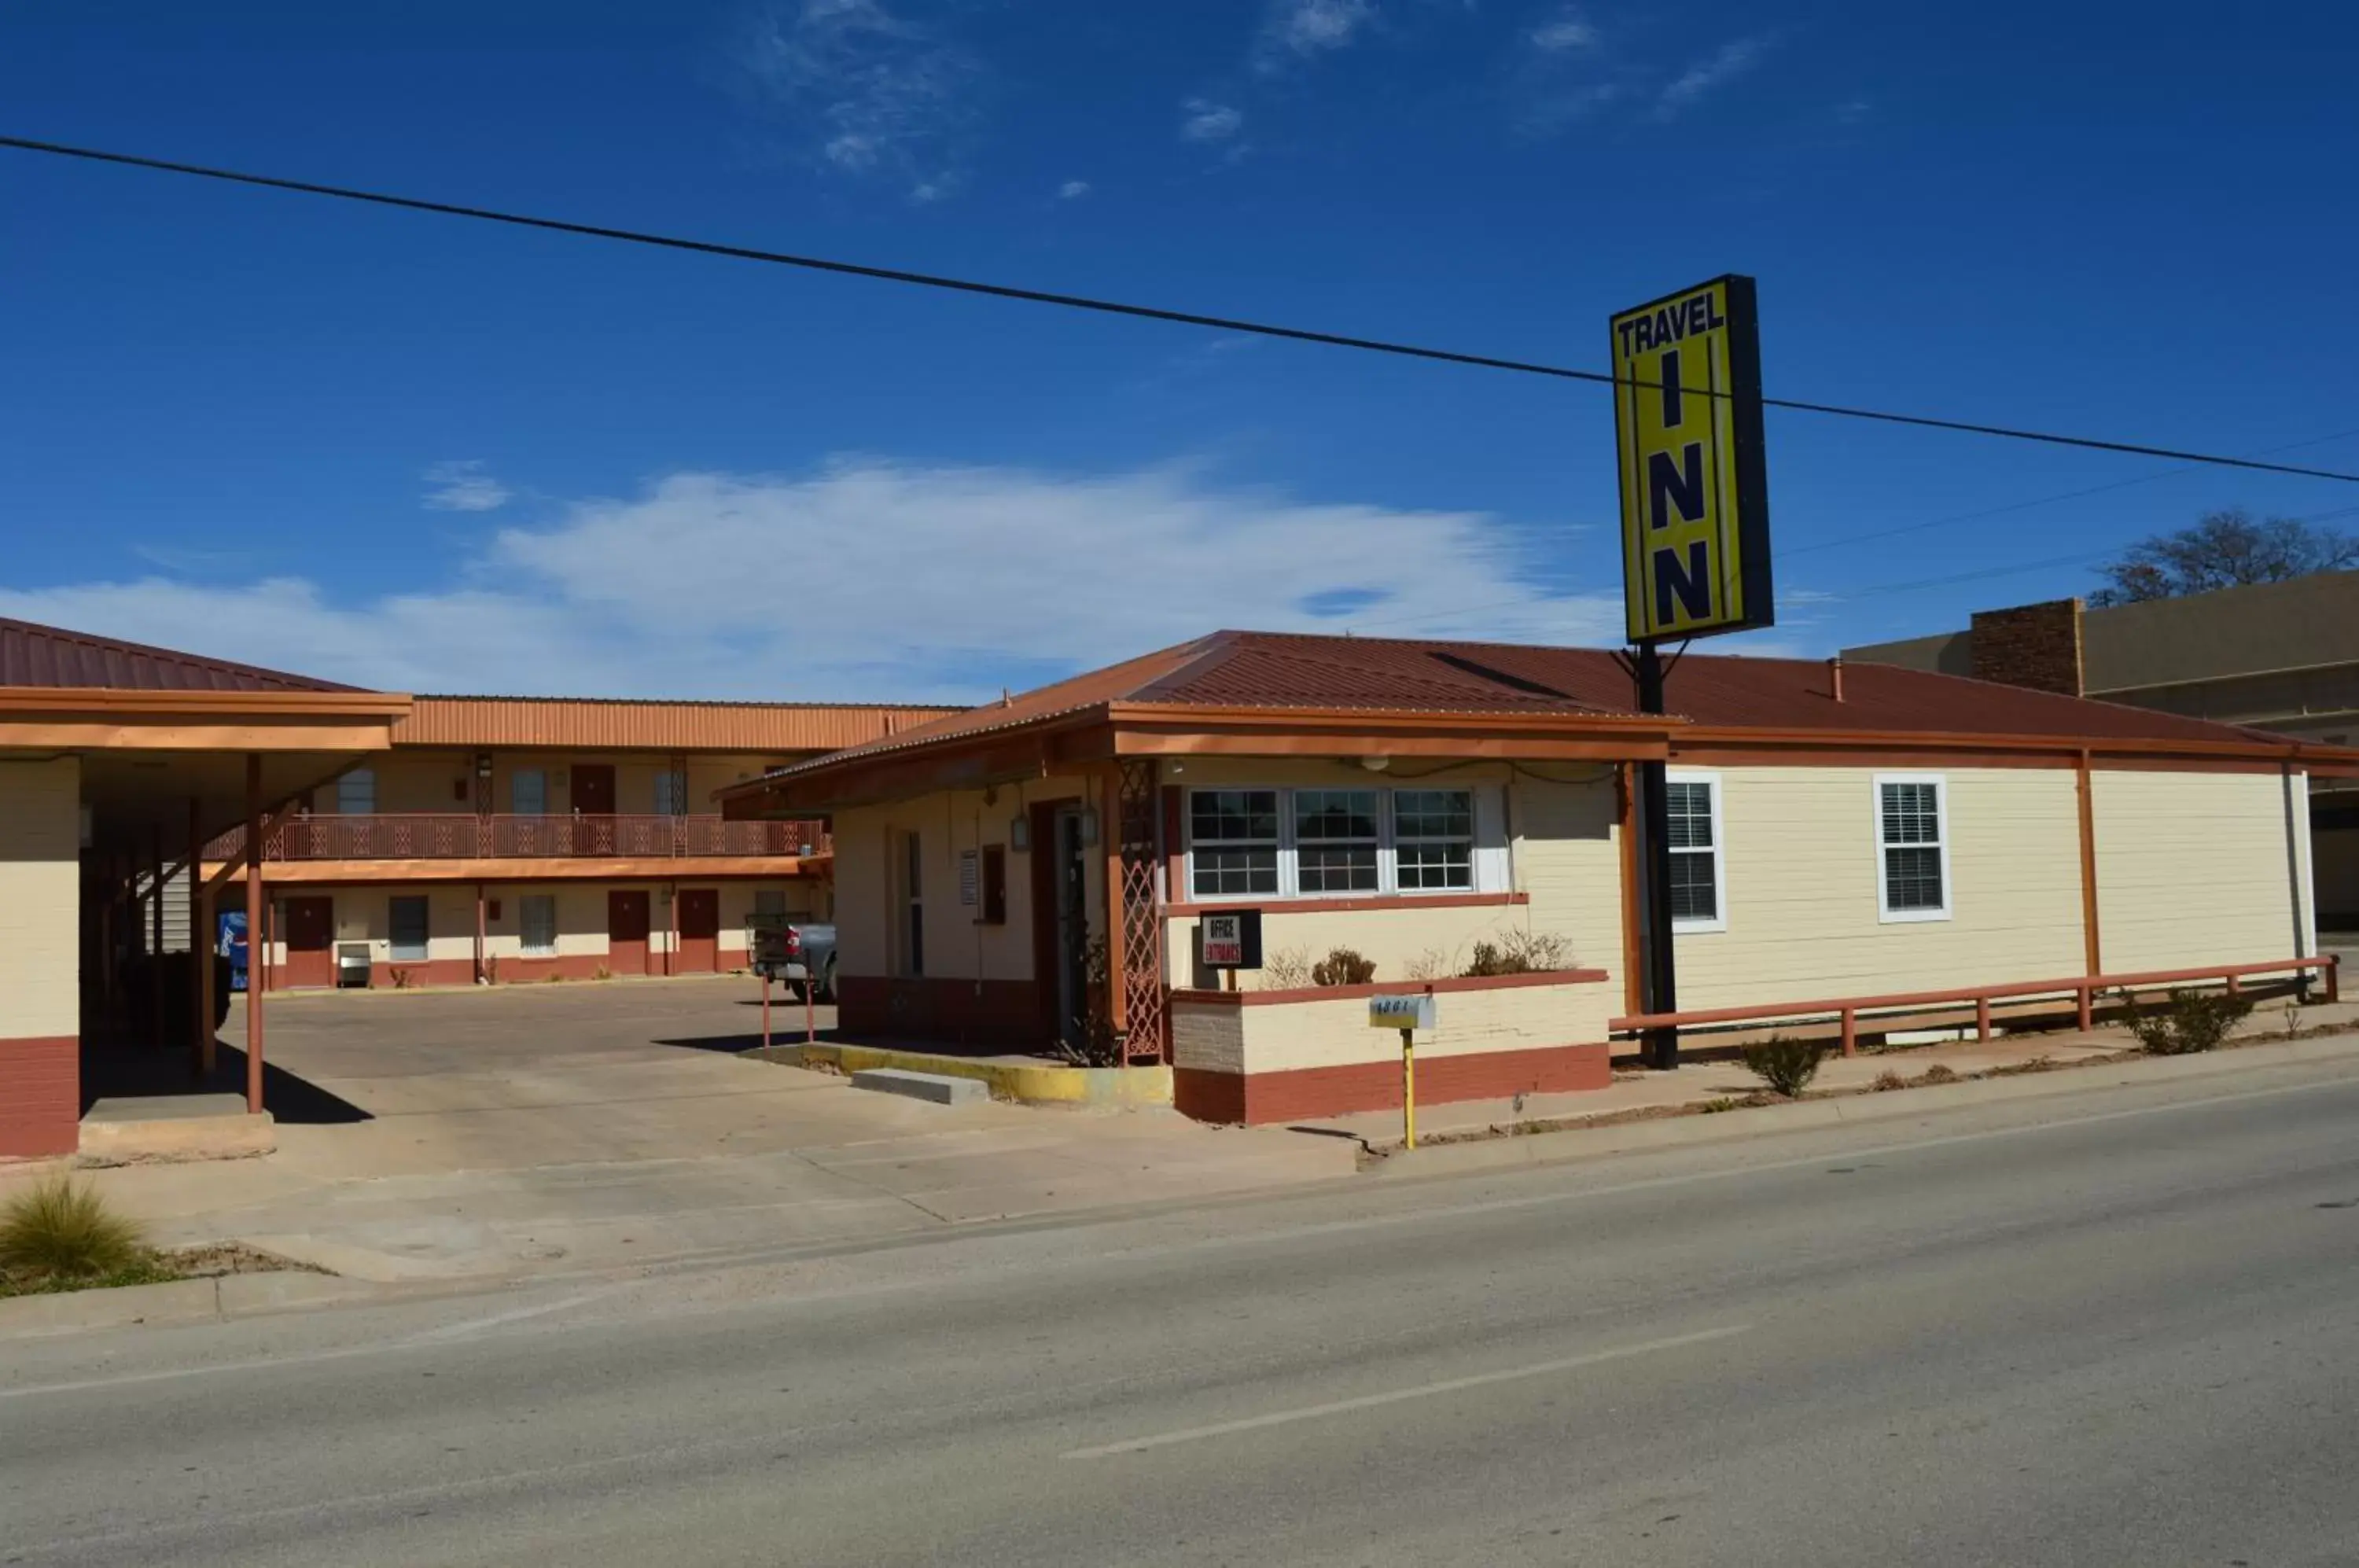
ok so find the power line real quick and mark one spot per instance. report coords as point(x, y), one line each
point(1110, 307)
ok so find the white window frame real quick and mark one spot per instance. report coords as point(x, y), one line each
point(1283, 807)
point(524, 926)
point(1719, 852)
point(1492, 873)
point(1292, 842)
point(1884, 913)
point(1389, 856)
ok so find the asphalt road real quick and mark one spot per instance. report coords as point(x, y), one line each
point(2116, 1328)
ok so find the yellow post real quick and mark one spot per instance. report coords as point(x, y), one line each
point(1408, 1088)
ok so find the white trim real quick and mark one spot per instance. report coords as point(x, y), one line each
point(1884, 913)
point(1491, 870)
point(1719, 920)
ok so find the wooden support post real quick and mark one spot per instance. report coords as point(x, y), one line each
point(480, 930)
point(766, 1009)
point(256, 944)
point(2236, 987)
point(1851, 1031)
point(199, 955)
point(2092, 948)
point(1110, 844)
point(2334, 978)
point(1981, 1019)
point(2081, 995)
point(155, 926)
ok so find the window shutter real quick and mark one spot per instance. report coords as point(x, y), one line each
point(1492, 873)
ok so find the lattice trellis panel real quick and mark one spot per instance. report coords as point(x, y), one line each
point(1146, 1032)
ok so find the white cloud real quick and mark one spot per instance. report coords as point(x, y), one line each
point(1072, 190)
point(1565, 32)
point(868, 578)
point(464, 487)
point(874, 93)
point(1724, 65)
point(1308, 27)
point(1209, 122)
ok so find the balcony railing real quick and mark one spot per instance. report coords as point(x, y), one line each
point(463, 835)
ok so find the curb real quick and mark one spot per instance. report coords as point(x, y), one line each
point(1032, 1085)
point(1508, 1151)
point(209, 1300)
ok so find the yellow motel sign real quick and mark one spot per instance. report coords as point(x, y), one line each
point(1695, 503)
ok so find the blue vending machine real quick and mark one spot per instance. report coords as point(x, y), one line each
point(230, 943)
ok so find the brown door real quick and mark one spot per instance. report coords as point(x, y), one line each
point(593, 808)
point(310, 943)
point(626, 931)
point(700, 931)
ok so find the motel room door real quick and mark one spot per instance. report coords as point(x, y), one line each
point(593, 808)
point(626, 931)
point(700, 931)
point(310, 943)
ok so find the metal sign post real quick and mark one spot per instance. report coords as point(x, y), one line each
point(765, 1012)
point(1695, 535)
point(1408, 1014)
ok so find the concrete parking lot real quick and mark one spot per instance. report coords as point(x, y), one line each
point(591, 1125)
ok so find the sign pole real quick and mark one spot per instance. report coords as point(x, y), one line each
point(765, 1012)
point(811, 1008)
point(1654, 832)
point(1408, 1088)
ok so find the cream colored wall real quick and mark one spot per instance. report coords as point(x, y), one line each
point(947, 822)
point(40, 898)
point(1283, 1037)
point(2193, 868)
point(1800, 869)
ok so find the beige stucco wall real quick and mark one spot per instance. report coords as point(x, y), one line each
point(364, 914)
point(1283, 1036)
point(1800, 867)
point(947, 822)
point(40, 898)
point(433, 780)
point(2194, 868)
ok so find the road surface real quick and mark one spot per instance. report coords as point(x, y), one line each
point(2110, 1328)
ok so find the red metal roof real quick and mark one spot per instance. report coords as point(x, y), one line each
point(1278, 671)
point(33, 655)
point(774, 728)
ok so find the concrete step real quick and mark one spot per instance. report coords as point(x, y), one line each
point(135, 1130)
point(939, 1088)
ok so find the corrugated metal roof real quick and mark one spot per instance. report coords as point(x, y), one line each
point(32, 655)
point(1444, 679)
point(624, 724)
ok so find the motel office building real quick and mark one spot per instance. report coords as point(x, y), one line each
point(1836, 834)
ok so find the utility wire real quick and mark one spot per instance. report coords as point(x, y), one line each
point(1111, 307)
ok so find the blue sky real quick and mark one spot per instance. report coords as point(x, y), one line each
point(441, 456)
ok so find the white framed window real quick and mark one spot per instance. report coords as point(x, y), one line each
point(1698, 888)
point(1232, 843)
point(356, 792)
point(537, 923)
point(1433, 841)
point(1344, 841)
point(529, 792)
point(1912, 846)
point(1335, 842)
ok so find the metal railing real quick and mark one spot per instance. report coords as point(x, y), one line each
point(2083, 989)
point(465, 836)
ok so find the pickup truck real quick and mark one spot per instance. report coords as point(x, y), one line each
point(795, 955)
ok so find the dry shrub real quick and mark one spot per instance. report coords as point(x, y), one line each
point(1343, 966)
point(61, 1229)
point(1521, 953)
point(1786, 1065)
point(1288, 969)
point(1888, 1080)
point(2192, 1021)
point(1937, 1073)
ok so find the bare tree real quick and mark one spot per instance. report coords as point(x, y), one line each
point(2223, 549)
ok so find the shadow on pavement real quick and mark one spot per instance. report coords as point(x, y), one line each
point(113, 1070)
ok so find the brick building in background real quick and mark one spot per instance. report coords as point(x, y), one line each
point(2275, 656)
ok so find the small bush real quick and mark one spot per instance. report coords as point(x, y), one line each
point(2192, 1021)
point(603, 973)
point(1937, 1073)
point(1433, 964)
point(1521, 953)
point(1715, 1107)
point(1343, 967)
point(1888, 1080)
point(61, 1229)
point(403, 978)
point(1786, 1065)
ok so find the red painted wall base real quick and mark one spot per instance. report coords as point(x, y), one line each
point(40, 1097)
point(1309, 1093)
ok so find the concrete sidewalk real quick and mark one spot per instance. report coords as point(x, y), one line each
point(1638, 1091)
